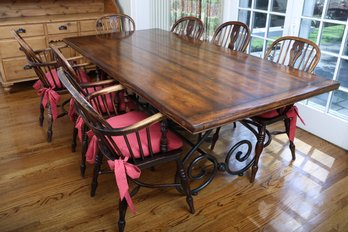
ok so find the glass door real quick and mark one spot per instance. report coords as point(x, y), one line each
point(326, 23)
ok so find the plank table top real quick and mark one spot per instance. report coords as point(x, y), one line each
point(197, 84)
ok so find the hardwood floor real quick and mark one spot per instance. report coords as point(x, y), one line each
point(41, 188)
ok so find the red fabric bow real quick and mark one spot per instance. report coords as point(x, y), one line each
point(122, 169)
point(50, 96)
point(293, 114)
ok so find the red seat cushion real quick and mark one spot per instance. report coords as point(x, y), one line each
point(127, 119)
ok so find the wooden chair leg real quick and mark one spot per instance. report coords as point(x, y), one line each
point(74, 138)
point(292, 145)
point(122, 208)
point(42, 112)
point(50, 124)
point(185, 185)
point(215, 138)
point(258, 151)
point(97, 165)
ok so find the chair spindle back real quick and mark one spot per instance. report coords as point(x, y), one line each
point(107, 104)
point(115, 23)
point(295, 52)
point(233, 35)
point(104, 131)
point(189, 26)
point(41, 61)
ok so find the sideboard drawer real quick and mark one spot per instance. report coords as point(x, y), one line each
point(62, 27)
point(10, 48)
point(87, 25)
point(17, 68)
point(23, 30)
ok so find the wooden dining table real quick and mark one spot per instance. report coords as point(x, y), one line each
point(196, 84)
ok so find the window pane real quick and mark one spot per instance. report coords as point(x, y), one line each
point(326, 66)
point(259, 24)
point(331, 37)
point(244, 16)
point(256, 47)
point(339, 104)
point(345, 51)
point(343, 73)
point(319, 100)
point(337, 10)
point(276, 27)
point(309, 29)
point(279, 5)
point(261, 4)
point(313, 8)
point(245, 3)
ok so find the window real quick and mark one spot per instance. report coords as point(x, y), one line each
point(325, 23)
point(266, 19)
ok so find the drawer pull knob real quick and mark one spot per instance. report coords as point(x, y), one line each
point(21, 30)
point(27, 67)
point(63, 28)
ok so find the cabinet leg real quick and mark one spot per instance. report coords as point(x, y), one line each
point(7, 87)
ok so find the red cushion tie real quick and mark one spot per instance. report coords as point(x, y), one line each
point(122, 169)
point(78, 126)
point(72, 111)
point(52, 97)
point(37, 85)
point(293, 114)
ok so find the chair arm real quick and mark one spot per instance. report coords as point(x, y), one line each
point(147, 122)
point(98, 83)
point(74, 58)
point(105, 91)
point(51, 63)
point(43, 50)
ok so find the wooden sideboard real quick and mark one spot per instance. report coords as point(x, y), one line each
point(41, 22)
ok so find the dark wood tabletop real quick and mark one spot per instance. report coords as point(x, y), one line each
point(197, 84)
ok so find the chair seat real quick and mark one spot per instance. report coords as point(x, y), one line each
point(127, 119)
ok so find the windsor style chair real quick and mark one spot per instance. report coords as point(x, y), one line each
point(107, 105)
point(296, 53)
point(48, 87)
point(130, 142)
point(190, 27)
point(233, 35)
point(115, 23)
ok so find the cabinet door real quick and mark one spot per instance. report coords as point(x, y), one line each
point(61, 27)
point(10, 47)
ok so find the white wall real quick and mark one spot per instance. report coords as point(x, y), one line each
point(139, 10)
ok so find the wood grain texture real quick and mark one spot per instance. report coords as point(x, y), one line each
point(24, 8)
point(41, 188)
point(197, 84)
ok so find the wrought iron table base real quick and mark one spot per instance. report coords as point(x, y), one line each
point(217, 166)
